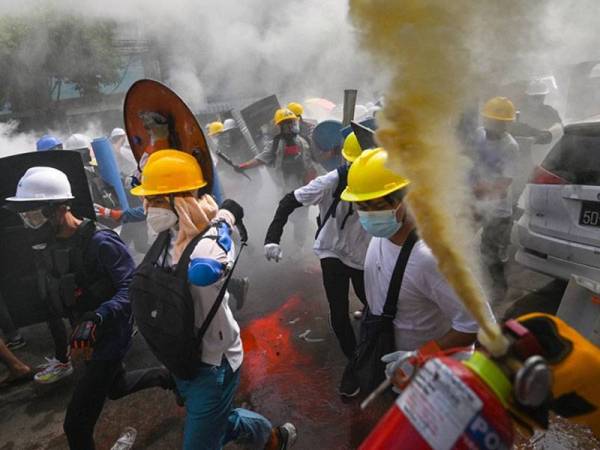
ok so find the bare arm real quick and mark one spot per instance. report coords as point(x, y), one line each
point(251, 164)
point(455, 338)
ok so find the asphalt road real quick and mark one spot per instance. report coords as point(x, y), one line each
point(291, 370)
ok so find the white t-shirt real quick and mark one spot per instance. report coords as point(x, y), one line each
point(494, 159)
point(348, 244)
point(427, 305)
point(222, 337)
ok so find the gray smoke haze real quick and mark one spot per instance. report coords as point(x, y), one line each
point(239, 48)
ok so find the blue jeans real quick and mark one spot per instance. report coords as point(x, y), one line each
point(211, 421)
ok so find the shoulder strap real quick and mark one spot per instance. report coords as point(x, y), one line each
point(216, 305)
point(391, 301)
point(159, 245)
point(184, 260)
point(337, 196)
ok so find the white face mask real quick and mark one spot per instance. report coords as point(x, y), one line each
point(160, 219)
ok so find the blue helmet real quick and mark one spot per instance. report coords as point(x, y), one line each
point(47, 142)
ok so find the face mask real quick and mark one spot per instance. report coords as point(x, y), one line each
point(33, 219)
point(160, 219)
point(290, 127)
point(380, 223)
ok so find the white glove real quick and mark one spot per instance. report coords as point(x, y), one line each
point(399, 360)
point(273, 251)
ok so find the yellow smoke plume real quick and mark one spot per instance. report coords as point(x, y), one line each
point(429, 47)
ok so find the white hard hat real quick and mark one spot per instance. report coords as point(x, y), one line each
point(77, 141)
point(42, 184)
point(117, 132)
point(537, 87)
point(228, 124)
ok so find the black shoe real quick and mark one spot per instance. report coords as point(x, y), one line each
point(349, 386)
point(286, 436)
point(239, 290)
point(16, 343)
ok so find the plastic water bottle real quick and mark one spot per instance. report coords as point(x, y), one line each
point(125, 442)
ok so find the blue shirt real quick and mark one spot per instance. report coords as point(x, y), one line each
point(111, 258)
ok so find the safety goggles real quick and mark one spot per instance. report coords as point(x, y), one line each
point(34, 218)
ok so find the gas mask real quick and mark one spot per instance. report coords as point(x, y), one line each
point(160, 219)
point(380, 223)
point(290, 127)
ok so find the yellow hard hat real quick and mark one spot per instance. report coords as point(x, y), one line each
point(351, 149)
point(283, 114)
point(296, 108)
point(215, 128)
point(369, 178)
point(499, 108)
point(170, 171)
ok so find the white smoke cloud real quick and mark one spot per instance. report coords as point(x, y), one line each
point(12, 142)
point(300, 48)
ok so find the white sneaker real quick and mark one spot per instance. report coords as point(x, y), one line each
point(127, 439)
point(52, 371)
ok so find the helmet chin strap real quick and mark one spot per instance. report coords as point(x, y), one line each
point(172, 205)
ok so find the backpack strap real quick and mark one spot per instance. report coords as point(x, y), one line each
point(391, 301)
point(337, 196)
point(160, 245)
point(217, 304)
point(184, 260)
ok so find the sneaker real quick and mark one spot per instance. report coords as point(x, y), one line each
point(286, 436)
point(349, 386)
point(127, 439)
point(16, 343)
point(52, 371)
point(239, 290)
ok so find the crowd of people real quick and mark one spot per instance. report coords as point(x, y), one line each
point(364, 223)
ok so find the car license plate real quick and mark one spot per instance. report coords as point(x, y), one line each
point(590, 214)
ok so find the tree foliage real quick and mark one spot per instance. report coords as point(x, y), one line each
point(40, 53)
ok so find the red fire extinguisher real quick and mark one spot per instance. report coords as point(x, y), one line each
point(449, 404)
point(464, 405)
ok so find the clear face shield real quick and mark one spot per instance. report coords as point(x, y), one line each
point(33, 219)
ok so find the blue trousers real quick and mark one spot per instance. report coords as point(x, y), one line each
point(211, 420)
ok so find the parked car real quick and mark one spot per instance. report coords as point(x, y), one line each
point(559, 231)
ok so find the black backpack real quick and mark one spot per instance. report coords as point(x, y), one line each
point(164, 309)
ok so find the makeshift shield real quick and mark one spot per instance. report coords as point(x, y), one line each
point(109, 169)
point(364, 135)
point(156, 119)
point(367, 123)
point(327, 137)
point(18, 276)
point(259, 115)
point(349, 105)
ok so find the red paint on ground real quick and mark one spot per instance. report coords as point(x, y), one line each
point(270, 348)
point(287, 378)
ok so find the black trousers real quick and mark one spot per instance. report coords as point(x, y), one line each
point(336, 279)
point(6, 324)
point(102, 379)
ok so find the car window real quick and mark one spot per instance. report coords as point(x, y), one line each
point(576, 157)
